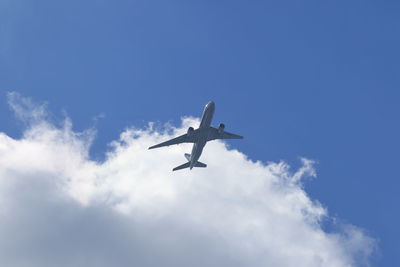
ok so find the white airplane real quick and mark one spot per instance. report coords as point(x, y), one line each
point(199, 138)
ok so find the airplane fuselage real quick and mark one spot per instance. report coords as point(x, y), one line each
point(199, 137)
point(202, 140)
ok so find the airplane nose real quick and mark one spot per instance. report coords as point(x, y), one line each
point(211, 104)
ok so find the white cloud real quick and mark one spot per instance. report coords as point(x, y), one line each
point(59, 208)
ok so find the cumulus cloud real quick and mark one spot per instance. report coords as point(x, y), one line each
point(60, 208)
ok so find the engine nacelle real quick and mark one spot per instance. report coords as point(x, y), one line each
point(190, 131)
point(221, 128)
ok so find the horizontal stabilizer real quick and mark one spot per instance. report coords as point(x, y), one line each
point(183, 166)
point(200, 164)
point(187, 165)
point(187, 156)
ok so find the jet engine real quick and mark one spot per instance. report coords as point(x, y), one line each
point(190, 131)
point(221, 128)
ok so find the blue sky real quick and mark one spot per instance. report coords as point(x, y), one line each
point(297, 78)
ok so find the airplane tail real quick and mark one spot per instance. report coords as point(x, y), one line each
point(187, 164)
point(183, 166)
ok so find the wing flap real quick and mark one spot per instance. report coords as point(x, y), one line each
point(214, 134)
point(185, 138)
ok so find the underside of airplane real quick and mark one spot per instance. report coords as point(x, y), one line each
point(199, 137)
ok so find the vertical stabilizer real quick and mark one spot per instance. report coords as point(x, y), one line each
point(187, 156)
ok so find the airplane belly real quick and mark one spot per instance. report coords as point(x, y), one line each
point(208, 115)
point(197, 150)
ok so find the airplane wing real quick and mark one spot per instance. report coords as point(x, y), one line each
point(185, 138)
point(214, 134)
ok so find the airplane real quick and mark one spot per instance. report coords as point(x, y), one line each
point(199, 137)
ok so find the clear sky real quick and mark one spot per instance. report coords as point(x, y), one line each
point(314, 79)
